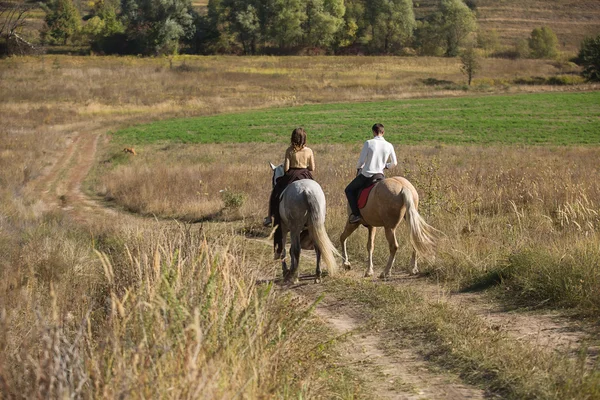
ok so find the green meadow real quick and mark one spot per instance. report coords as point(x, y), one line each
point(542, 118)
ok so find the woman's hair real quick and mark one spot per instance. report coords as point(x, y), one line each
point(298, 139)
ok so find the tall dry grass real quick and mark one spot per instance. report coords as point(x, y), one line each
point(162, 313)
point(528, 215)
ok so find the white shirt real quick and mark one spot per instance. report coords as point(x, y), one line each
point(374, 155)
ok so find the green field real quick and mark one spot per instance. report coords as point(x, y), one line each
point(544, 118)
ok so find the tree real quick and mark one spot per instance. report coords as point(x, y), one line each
point(13, 17)
point(589, 58)
point(103, 22)
point(324, 18)
point(470, 63)
point(285, 27)
point(248, 27)
point(218, 31)
point(458, 21)
point(429, 37)
point(394, 24)
point(355, 24)
point(62, 20)
point(543, 43)
point(157, 26)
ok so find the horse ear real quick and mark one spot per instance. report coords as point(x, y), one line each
point(272, 166)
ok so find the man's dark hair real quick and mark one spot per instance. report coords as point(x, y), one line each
point(378, 129)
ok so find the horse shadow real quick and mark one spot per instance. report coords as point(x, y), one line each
point(305, 279)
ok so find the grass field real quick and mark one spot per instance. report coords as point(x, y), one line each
point(561, 119)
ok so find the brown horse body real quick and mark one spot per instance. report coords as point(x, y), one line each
point(390, 201)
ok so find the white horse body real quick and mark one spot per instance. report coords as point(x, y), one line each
point(303, 206)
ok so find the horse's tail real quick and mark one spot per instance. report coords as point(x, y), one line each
point(423, 236)
point(321, 240)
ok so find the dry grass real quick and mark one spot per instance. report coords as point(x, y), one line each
point(495, 205)
point(164, 313)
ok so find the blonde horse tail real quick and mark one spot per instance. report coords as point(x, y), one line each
point(319, 234)
point(423, 236)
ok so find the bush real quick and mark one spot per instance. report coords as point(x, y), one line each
point(563, 80)
point(543, 43)
point(488, 40)
point(589, 58)
point(233, 200)
point(559, 80)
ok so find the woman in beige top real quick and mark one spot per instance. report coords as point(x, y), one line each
point(299, 163)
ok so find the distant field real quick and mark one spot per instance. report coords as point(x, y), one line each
point(572, 20)
point(572, 118)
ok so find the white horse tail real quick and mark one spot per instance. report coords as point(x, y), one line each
point(422, 235)
point(319, 234)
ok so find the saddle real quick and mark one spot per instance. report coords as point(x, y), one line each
point(363, 195)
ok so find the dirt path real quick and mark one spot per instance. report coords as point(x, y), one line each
point(398, 374)
point(388, 370)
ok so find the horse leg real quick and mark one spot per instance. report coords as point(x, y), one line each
point(347, 232)
point(318, 273)
point(294, 256)
point(370, 245)
point(390, 235)
point(284, 267)
point(413, 263)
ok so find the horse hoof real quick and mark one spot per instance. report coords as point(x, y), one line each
point(347, 266)
point(318, 280)
point(368, 274)
point(383, 276)
point(415, 271)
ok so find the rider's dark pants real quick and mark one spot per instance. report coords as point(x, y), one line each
point(353, 189)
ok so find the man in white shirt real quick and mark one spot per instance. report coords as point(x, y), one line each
point(372, 161)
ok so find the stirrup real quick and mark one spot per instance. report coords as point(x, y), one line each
point(268, 221)
point(354, 219)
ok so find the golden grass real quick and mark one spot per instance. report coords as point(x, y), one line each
point(491, 202)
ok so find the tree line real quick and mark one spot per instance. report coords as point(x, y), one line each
point(152, 27)
point(155, 27)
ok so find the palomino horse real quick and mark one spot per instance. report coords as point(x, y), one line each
point(389, 202)
point(302, 206)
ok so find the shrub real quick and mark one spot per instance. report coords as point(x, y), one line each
point(589, 58)
point(562, 80)
point(543, 43)
point(559, 80)
point(488, 40)
point(233, 200)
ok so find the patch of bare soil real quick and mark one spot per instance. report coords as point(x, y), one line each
point(543, 329)
point(60, 186)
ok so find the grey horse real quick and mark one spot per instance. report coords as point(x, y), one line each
point(302, 207)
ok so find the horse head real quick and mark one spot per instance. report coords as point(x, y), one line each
point(277, 172)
